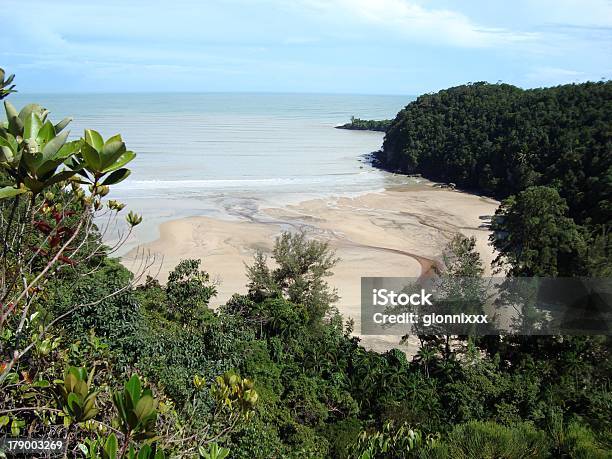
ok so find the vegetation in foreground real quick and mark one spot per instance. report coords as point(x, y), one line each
point(123, 368)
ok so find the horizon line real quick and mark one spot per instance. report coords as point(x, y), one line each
point(304, 93)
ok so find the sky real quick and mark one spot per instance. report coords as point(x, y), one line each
point(334, 46)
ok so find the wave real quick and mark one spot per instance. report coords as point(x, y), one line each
point(243, 183)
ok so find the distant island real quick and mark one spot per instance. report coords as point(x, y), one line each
point(358, 124)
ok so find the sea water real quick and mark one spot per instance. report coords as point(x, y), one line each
point(227, 155)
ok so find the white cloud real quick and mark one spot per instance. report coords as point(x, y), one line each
point(409, 19)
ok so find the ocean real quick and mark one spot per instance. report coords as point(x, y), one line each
point(227, 155)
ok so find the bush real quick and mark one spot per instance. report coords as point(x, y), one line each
point(489, 440)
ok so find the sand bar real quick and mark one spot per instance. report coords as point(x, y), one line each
point(398, 232)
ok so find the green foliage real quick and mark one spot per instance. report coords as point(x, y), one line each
point(173, 348)
point(235, 394)
point(33, 148)
point(189, 291)
point(461, 259)
point(503, 140)
point(575, 439)
point(214, 451)
point(309, 389)
point(392, 441)
point(302, 266)
point(118, 319)
point(357, 124)
point(341, 436)
point(77, 398)
point(6, 87)
point(488, 440)
point(137, 410)
point(98, 448)
point(133, 219)
point(104, 159)
point(146, 451)
point(109, 449)
point(535, 237)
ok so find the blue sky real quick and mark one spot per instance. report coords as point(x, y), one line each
point(333, 46)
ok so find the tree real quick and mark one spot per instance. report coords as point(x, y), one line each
point(461, 259)
point(47, 214)
point(302, 266)
point(535, 237)
point(189, 291)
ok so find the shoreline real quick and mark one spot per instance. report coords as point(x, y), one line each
point(397, 232)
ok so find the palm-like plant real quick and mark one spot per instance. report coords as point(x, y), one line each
point(426, 355)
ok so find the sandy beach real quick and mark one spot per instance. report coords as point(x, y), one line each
point(398, 232)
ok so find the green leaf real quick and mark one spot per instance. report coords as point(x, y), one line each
point(46, 133)
point(71, 379)
point(119, 402)
point(9, 192)
point(94, 139)
point(34, 185)
point(68, 149)
point(59, 127)
point(27, 110)
point(74, 403)
point(111, 152)
point(54, 145)
point(121, 161)
point(117, 177)
point(15, 123)
point(47, 168)
point(90, 376)
point(16, 426)
point(144, 407)
point(59, 177)
point(9, 141)
point(145, 451)
point(31, 126)
point(32, 161)
point(115, 138)
point(89, 407)
point(6, 155)
point(133, 389)
point(4, 420)
point(111, 446)
point(41, 383)
point(91, 157)
point(11, 111)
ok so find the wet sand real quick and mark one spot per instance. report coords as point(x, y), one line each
point(399, 232)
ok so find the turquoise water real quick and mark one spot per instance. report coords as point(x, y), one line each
point(228, 155)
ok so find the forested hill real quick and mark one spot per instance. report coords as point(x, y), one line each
point(501, 139)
